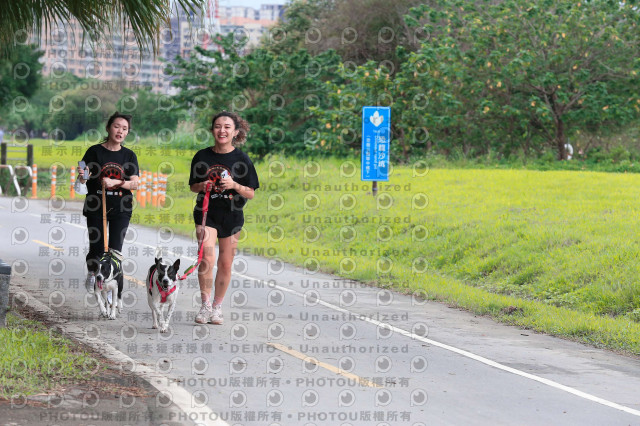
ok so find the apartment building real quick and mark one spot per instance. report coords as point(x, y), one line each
point(67, 49)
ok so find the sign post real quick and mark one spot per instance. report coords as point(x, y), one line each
point(376, 136)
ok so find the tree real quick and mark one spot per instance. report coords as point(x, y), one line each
point(19, 74)
point(81, 108)
point(360, 31)
point(30, 114)
point(275, 93)
point(19, 80)
point(370, 84)
point(19, 19)
point(527, 70)
point(152, 112)
point(299, 17)
point(364, 30)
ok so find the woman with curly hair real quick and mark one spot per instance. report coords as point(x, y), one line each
point(231, 179)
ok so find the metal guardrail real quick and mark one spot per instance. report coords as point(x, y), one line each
point(14, 177)
point(26, 150)
point(6, 148)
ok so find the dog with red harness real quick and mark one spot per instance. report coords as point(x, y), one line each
point(162, 291)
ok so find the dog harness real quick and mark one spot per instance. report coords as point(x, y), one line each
point(163, 294)
point(115, 260)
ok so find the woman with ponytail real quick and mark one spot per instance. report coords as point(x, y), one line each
point(109, 162)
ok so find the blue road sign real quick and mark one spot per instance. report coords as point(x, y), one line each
point(376, 135)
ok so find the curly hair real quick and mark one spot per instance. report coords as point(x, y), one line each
point(240, 124)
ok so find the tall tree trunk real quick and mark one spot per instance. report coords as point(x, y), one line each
point(560, 139)
point(399, 131)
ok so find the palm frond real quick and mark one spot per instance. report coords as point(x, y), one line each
point(97, 18)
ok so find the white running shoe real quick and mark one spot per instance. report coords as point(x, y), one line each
point(204, 315)
point(216, 315)
point(90, 282)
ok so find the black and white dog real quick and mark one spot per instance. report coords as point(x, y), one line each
point(109, 279)
point(162, 290)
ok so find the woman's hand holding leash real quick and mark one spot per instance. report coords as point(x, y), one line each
point(113, 183)
point(207, 186)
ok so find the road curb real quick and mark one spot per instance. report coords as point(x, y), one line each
point(181, 406)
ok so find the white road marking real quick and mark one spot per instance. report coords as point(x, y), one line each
point(63, 223)
point(84, 227)
point(459, 351)
point(171, 252)
point(450, 348)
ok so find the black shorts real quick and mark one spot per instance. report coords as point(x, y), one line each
point(226, 222)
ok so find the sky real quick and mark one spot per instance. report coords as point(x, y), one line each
point(250, 3)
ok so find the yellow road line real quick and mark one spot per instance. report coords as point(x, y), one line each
point(333, 369)
point(48, 245)
point(135, 280)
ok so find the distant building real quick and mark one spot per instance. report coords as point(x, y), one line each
point(254, 23)
point(120, 59)
point(271, 12)
point(251, 28)
point(238, 12)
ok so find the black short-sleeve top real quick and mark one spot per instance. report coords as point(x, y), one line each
point(121, 164)
point(209, 165)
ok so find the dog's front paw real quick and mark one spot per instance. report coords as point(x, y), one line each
point(154, 326)
point(112, 316)
point(164, 328)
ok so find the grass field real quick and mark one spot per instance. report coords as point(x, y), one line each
point(34, 360)
point(554, 251)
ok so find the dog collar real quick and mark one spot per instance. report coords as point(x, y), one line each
point(163, 294)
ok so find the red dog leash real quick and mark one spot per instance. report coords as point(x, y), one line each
point(205, 209)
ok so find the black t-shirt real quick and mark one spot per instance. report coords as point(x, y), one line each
point(122, 164)
point(209, 165)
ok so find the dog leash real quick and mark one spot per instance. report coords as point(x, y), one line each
point(205, 209)
point(104, 227)
point(104, 218)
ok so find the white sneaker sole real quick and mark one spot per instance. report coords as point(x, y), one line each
point(199, 321)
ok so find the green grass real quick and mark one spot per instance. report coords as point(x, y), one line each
point(559, 245)
point(35, 360)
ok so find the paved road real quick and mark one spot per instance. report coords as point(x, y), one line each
point(306, 348)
